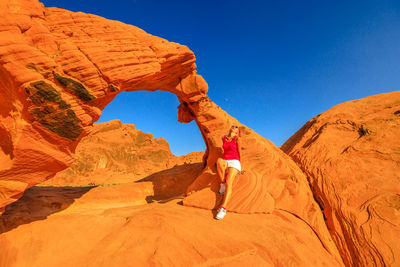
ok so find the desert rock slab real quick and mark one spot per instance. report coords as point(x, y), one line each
point(351, 154)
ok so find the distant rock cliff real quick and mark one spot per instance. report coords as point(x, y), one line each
point(118, 153)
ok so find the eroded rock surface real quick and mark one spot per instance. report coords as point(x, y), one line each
point(113, 226)
point(351, 154)
point(59, 69)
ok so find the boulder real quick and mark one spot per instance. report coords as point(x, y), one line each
point(351, 155)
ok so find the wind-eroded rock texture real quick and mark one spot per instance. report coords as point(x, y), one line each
point(113, 226)
point(351, 155)
point(118, 153)
point(59, 69)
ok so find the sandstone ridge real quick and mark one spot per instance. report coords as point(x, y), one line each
point(351, 155)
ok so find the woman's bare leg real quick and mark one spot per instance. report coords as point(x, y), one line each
point(221, 169)
point(232, 172)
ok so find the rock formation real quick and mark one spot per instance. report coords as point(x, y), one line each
point(59, 69)
point(351, 155)
point(116, 153)
point(114, 226)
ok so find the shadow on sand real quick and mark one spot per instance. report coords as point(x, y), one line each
point(37, 203)
point(172, 183)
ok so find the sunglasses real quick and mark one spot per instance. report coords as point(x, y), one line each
point(235, 126)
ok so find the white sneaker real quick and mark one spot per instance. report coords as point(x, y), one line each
point(221, 214)
point(222, 188)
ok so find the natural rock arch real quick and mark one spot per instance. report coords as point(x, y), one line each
point(59, 69)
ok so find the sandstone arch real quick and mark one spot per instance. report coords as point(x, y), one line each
point(60, 69)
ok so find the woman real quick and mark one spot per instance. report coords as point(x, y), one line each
point(228, 166)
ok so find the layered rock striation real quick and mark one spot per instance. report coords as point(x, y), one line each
point(351, 155)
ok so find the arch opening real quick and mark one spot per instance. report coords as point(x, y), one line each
point(156, 113)
point(138, 139)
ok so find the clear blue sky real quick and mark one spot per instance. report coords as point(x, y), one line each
point(273, 65)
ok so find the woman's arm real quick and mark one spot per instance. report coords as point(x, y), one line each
point(239, 145)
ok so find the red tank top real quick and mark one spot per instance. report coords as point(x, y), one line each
point(230, 149)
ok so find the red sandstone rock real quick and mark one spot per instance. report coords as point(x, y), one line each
point(118, 153)
point(113, 226)
point(351, 154)
point(59, 69)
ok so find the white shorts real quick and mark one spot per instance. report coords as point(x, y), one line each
point(234, 163)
